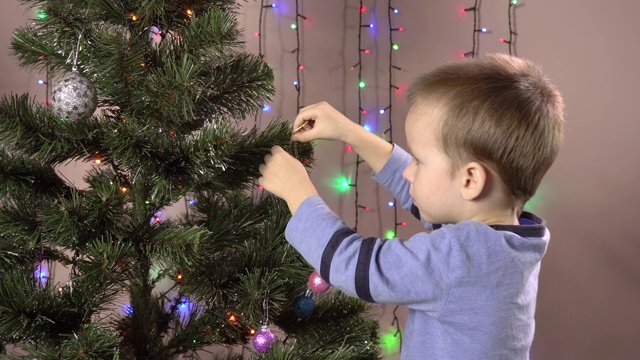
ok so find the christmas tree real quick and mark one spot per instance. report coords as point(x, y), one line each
point(173, 88)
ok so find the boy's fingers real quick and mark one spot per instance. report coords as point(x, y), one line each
point(302, 120)
point(301, 136)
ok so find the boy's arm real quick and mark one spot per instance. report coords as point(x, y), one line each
point(390, 177)
point(375, 270)
point(322, 121)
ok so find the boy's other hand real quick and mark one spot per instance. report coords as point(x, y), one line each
point(285, 177)
point(322, 122)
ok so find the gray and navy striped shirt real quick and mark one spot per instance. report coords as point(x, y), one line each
point(470, 288)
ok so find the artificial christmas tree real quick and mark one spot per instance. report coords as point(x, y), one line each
point(172, 85)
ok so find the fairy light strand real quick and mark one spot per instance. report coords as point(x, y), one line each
point(261, 54)
point(360, 111)
point(511, 41)
point(389, 111)
point(474, 50)
point(255, 189)
point(392, 67)
point(299, 66)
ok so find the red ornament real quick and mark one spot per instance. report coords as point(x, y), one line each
point(317, 284)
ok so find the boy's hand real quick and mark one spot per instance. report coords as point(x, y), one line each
point(285, 177)
point(322, 122)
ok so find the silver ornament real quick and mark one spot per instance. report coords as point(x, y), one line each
point(74, 97)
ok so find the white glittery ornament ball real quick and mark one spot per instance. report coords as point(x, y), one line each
point(74, 97)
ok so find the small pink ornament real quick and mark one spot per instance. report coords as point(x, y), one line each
point(264, 339)
point(317, 283)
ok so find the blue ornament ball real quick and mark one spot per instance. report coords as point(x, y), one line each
point(303, 306)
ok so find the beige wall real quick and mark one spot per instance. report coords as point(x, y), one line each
point(589, 295)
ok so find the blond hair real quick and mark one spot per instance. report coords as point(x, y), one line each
point(500, 110)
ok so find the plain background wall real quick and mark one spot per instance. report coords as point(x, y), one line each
point(589, 294)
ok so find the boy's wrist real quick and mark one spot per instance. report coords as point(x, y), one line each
point(352, 133)
point(297, 197)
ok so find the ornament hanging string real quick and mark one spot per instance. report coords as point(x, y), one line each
point(265, 307)
point(74, 66)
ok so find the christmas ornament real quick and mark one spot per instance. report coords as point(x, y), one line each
point(155, 36)
point(317, 283)
point(304, 305)
point(264, 339)
point(74, 97)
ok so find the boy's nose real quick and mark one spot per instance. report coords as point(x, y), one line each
point(406, 173)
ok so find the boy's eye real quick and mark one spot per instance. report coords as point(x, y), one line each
point(415, 160)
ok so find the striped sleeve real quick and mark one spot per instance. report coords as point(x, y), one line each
point(372, 269)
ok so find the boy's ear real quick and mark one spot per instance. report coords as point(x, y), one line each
point(474, 180)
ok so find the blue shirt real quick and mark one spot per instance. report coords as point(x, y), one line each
point(470, 288)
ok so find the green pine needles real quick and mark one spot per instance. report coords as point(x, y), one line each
point(98, 271)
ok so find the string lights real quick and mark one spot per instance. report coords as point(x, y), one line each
point(361, 86)
point(299, 66)
point(264, 5)
point(393, 47)
point(476, 14)
point(258, 34)
point(511, 41)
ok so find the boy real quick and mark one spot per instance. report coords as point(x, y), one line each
point(483, 133)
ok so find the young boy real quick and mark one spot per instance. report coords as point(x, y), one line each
point(483, 133)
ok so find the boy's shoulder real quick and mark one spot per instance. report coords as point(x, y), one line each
point(473, 244)
point(530, 226)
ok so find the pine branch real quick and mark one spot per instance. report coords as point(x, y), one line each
point(215, 31)
point(92, 342)
point(27, 175)
point(33, 311)
point(236, 87)
point(30, 129)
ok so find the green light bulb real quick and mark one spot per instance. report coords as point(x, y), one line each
point(42, 14)
point(395, 47)
point(341, 183)
point(294, 26)
point(514, 2)
point(536, 203)
point(389, 342)
point(390, 234)
point(361, 84)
